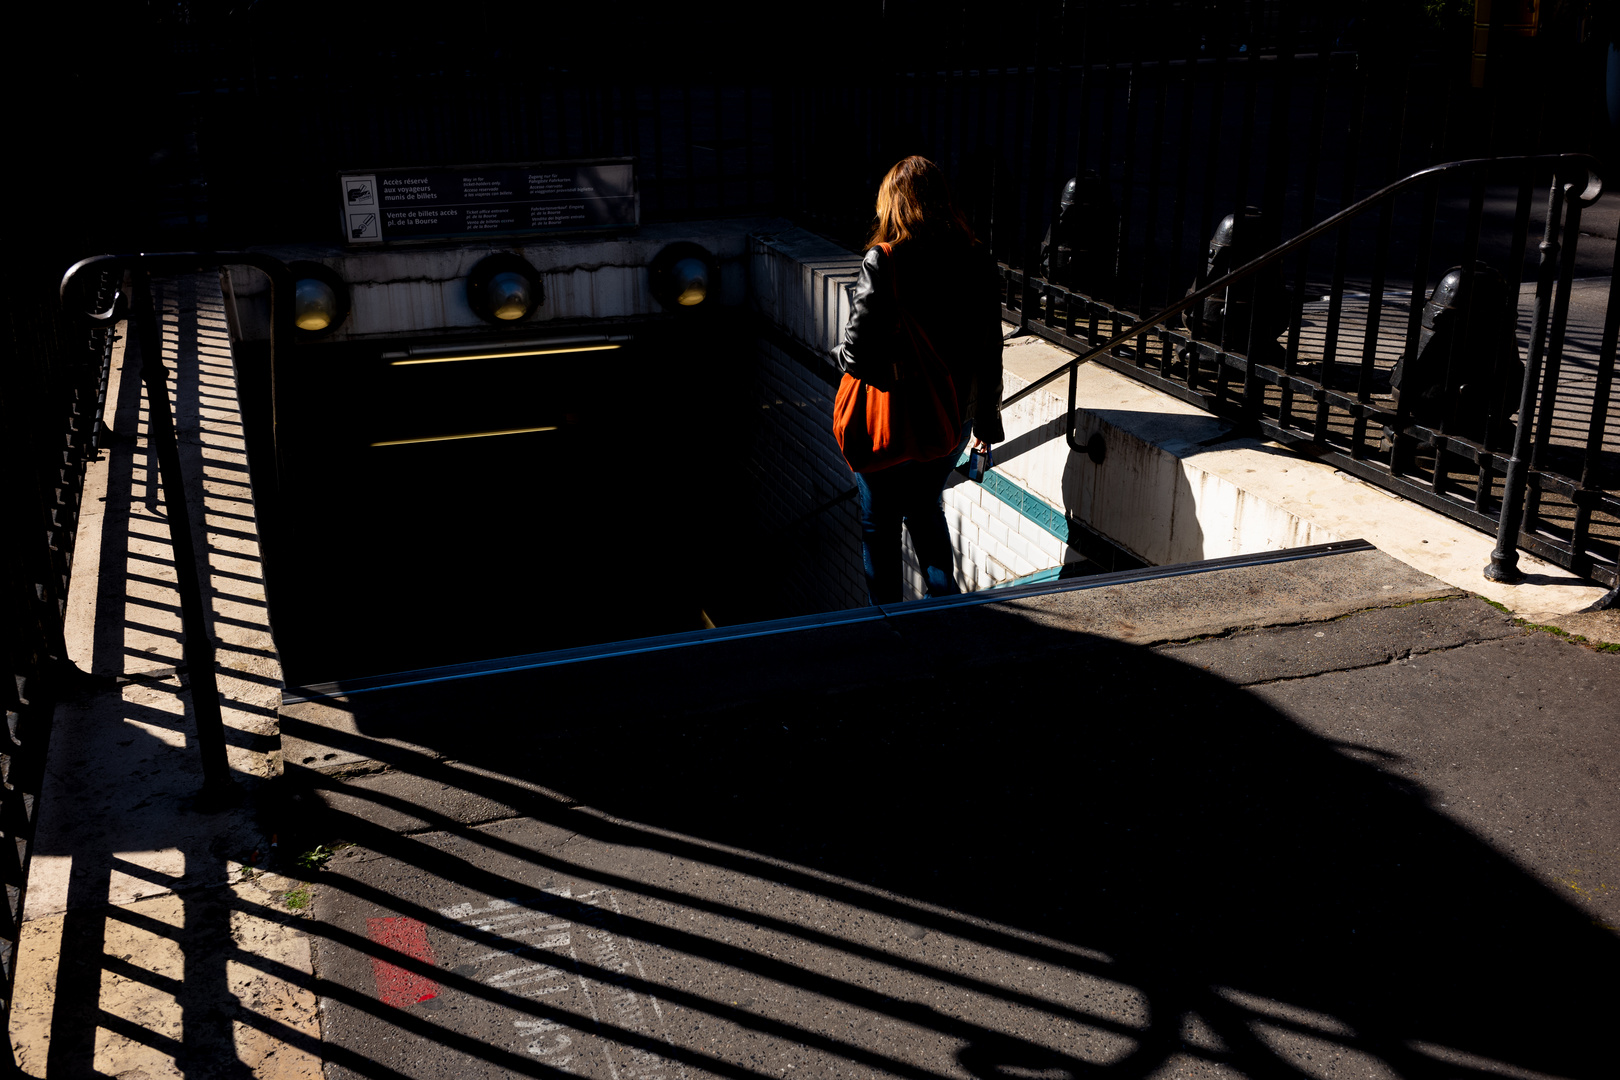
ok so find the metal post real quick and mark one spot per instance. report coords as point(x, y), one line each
point(1504, 564)
point(1035, 198)
point(218, 789)
point(1592, 463)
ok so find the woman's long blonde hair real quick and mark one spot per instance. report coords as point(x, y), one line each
point(915, 200)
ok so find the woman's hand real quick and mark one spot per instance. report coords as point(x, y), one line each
point(979, 446)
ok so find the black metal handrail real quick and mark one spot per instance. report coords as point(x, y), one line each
point(1576, 184)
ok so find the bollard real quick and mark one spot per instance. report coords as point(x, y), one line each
point(1078, 251)
point(1465, 376)
point(1260, 304)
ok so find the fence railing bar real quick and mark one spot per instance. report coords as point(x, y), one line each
point(1127, 184)
point(1088, 89)
point(1313, 159)
point(1465, 345)
point(1183, 168)
point(1150, 219)
point(1604, 385)
point(1556, 331)
point(1504, 564)
point(1521, 231)
point(1420, 267)
point(1250, 81)
point(1206, 215)
point(1588, 497)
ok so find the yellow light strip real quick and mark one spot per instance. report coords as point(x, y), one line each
point(500, 355)
point(467, 435)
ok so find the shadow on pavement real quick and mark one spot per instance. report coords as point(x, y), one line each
point(1028, 852)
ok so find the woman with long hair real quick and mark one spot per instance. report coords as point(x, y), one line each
point(923, 261)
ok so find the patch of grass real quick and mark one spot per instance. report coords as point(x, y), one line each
point(1576, 639)
point(1429, 600)
point(315, 858)
point(298, 899)
point(1386, 607)
point(1553, 630)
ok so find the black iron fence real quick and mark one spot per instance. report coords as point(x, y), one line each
point(51, 400)
point(1422, 391)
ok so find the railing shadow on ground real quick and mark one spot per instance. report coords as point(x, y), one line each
point(132, 896)
point(959, 866)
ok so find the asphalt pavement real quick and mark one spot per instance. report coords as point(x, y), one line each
point(1323, 818)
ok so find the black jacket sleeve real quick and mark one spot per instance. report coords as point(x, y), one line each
point(867, 350)
point(960, 294)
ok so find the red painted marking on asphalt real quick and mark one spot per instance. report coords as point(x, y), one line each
point(395, 985)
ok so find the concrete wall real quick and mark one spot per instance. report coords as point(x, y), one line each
point(412, 291)
point(1154, 494)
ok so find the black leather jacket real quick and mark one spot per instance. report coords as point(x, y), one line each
point(952, 289)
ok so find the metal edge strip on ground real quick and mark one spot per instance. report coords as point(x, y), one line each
point(295, 695)
point(1121, 577)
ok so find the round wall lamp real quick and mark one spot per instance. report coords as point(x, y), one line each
point(504, 288)
point(684, 275)
point(320, 299)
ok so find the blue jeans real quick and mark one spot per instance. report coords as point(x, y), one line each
point(912, 492)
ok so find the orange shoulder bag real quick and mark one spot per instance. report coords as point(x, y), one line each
point(919, 419)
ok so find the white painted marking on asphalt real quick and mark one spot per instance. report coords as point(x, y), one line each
point(617, 910)
point(554, 941)
point(464, 911)
point(536, 1045)
point(506, 980)
point(644, 1064)
point(521, 930)
point(499, 920)
point(596, 1016)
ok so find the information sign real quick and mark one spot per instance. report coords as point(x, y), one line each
point(386, 205)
